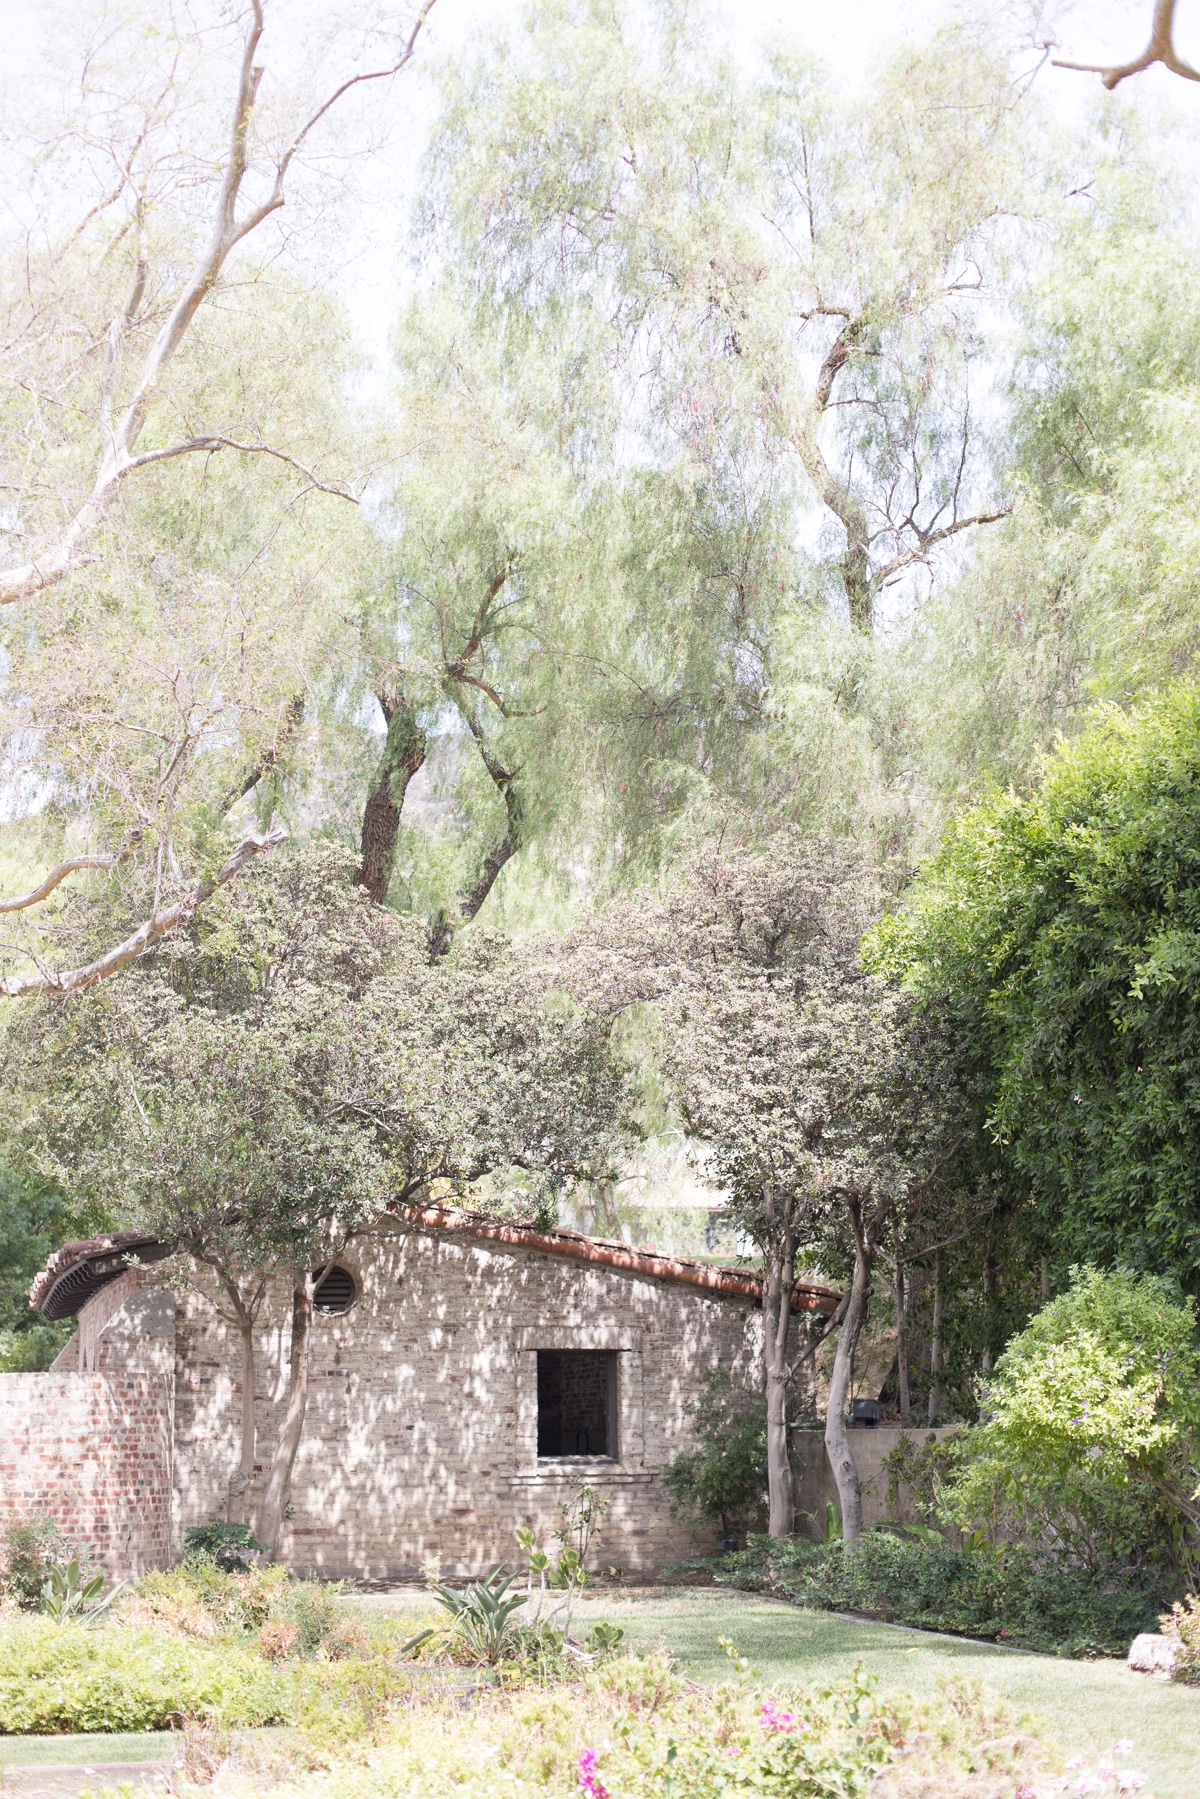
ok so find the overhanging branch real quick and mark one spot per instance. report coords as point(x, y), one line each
point(61, 983)
point(1161, 48)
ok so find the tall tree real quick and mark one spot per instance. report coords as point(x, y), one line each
point(127, 379)
point(783, 274)
point(828, 1106)
point(1060, 927)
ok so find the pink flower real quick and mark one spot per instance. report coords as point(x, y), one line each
point(1132, 1782)
point(1076, 1761)
point(589, 1781)
point(1124, 1747)
point(775, 1720)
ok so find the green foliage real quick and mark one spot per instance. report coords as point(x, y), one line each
point(481, 1617)
point(604, 1638)
point(724, 1479)
point(296, 1059)
point(231, 1546)
point(34, 1218)
point(1091, 1432)
point(1010, 1595)
point(72, 1593)
point(61, 1677)
point(1063, 932)
point(33, 1549)
point(206, 1598)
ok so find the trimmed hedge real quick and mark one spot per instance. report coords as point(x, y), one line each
point(65, 1678)
point(1007, 1595)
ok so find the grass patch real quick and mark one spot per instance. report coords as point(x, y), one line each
point(1086, 1706)
point(112, 1746)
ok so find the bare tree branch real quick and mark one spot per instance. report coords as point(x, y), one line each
point(64, 982)
point(1161, 48)
point(58, 874)
point(213, 444)
point(119, 441)
point(927, 539)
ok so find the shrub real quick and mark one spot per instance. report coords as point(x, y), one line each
point(310, 1607)
point(277, 1640)
point(200, 1599)
point(33, 1549)
point(632, 1727)
point(1182, 1625)
point(231, 1546)
point(1092, 1427)
point(723, 1480)
point(60, 1677)
point(1010, 1595)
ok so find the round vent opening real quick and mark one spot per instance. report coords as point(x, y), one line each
point(336, 1292)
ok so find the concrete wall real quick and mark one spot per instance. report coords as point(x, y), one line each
point(94, 1451)
point(421, 1434)
point(870, 1448)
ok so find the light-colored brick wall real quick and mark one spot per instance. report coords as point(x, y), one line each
point(421, 1433)
point(94, 1451)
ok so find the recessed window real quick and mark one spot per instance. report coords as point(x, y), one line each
point(577, 1402)
point(335, 1291)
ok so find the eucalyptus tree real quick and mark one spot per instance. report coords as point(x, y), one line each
point(147, 335)
point(258, 1090)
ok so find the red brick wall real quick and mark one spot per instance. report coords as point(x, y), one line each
point(94, 1451)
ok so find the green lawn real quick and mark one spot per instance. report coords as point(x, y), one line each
point(90, 1750)
point(1084, 1706)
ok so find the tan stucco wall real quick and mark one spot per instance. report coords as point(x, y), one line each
point(421, 1434)
point(870, 1448)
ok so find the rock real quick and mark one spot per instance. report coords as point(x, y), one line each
point(1153, 1654)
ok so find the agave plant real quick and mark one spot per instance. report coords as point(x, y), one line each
point(70, 1593)
point(481, 1615)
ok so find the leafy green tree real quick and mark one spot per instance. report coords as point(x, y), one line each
point(831, 1108)
point(294, 1063)
point(1090, 1443)
point(1061, 931)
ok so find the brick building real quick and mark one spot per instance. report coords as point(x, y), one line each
point(465, 1375)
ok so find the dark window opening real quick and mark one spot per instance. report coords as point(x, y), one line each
point(335, 1292)
point(577, 1402)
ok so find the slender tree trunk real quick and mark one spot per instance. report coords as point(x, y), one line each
point(244, 1315)
point(837, 1438)
point(935, 1346)
point(240, 1482)
point(780, 1272)
point(279, 1481)
point(403, 754)
point(902, 1341)
point(991, 1281)
point(1044, 1278)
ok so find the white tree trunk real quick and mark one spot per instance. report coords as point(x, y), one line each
point(777, 1315)
point(837, 1438)
point(279, 1481)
